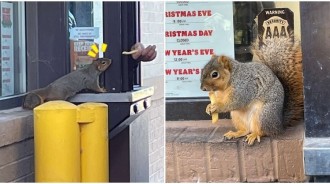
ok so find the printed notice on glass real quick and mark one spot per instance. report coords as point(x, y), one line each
point(194, 31)
point(7, 49)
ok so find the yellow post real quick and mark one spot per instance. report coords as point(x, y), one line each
point(57, 142)
point(93, 119)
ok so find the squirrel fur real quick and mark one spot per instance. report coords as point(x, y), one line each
point(250, 91)
point(264, 95)
point(283, 56)
point(69, 85)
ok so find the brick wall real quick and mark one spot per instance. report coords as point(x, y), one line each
point(152, 33)
point(16, 146)
point(196, 151)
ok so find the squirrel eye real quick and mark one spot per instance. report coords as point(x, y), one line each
point(215, 74)
point(103, 62)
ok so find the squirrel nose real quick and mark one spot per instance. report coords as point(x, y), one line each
point(203, 88)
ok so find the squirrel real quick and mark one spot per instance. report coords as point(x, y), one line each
point(250, 91)
point(69, 85)
point(263, 96)
point(284, 57)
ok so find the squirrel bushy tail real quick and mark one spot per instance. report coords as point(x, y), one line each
point(32, 100)
point(283, 56)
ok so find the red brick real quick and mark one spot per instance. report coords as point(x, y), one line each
point(195, 134)
point(173, 133)
point(223, 159)
point(170, 163)
point(217, 134)
point(201, 154)
point(290, 161)
point(191, 162)
point(258, 161)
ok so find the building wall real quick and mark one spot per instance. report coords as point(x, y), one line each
point(16, 146)
point(152, 32)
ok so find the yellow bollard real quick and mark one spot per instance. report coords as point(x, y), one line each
point(93, 119)
point(71, 142)
point(57, 142)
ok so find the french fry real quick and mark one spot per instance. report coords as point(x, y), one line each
point(215, 116)
point(130, 52)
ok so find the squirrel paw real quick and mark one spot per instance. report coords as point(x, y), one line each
point(211, 109)
point(231, 134)
point(251, 138)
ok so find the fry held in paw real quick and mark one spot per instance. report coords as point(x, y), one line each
point(215, 116)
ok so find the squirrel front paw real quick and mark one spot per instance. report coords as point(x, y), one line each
point(211, 109)
point(231, 134)
point(252, 137)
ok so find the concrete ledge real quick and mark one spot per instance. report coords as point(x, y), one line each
point(196, 151)
point(15, 125)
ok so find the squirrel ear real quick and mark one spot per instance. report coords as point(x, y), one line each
point(213, 56)
point(225, 62)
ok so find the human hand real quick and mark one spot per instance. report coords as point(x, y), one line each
point(144, 54)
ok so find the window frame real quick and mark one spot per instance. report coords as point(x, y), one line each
point(121, 35)
point(12, 101)
point(46, 62)
point(47, 59)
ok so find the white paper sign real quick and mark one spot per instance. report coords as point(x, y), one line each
point(84, 33)
point(7, 49)
point(193, 32)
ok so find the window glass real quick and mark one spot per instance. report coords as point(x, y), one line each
point(86, 28)
point(12, 55)
point(195, 30)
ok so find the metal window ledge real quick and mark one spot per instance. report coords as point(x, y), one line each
point(317, 156)
point(131, 96)
point(138, 101)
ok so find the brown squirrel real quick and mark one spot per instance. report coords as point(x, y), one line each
point(250, 91)
point(69, 85)
point(256, 92)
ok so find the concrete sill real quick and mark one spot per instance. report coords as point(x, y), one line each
point(15, 125)
point(196, 151)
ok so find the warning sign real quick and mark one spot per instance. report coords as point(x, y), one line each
point(275, 22)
